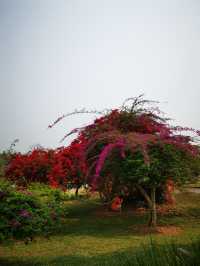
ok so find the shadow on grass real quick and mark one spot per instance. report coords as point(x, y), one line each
point(153, 254)
point(86, 218)
point(89, 218)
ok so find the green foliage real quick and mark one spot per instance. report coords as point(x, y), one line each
point(165, 162)
point(24, 216)
point(4, 159)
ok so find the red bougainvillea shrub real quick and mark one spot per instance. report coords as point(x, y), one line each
point(64, 167)
point(150, 149)
point(30, 167)
point(69, 166)
point(130, 126)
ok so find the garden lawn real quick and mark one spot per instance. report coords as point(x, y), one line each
point(90, 235)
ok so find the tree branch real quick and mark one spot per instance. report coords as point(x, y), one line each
point(145, 195)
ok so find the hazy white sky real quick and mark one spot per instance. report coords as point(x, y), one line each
point(58, 55)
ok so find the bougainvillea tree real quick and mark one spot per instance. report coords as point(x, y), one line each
point(136, 146)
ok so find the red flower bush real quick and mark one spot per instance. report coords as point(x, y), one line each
point(151, 150)
point(69, 167)
point(135, 126)
point(30, 167)
point(62, 167)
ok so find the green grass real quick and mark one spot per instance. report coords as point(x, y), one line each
point(87, 237)
point(195, 184)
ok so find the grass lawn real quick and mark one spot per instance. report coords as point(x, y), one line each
point(90, 235)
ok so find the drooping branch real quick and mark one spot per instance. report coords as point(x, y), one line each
point(74, 131)
point(75, 112)
point(102, 157)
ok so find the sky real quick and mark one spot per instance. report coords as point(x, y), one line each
point(57, 56)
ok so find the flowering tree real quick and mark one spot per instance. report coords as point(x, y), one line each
point(140, 143)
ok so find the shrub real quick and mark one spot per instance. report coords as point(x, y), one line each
point(24, 216)
point(62, 168)
point(5, 157)
point(31, 167)
point(159, 151)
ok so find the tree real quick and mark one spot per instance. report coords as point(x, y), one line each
point(138, 142)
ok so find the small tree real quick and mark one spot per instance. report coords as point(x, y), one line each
point(165, 162)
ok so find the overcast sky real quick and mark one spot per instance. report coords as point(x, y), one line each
point(57, 55)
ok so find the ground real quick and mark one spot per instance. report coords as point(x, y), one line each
point(91, 235)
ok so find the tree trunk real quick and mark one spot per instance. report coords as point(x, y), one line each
point(153, 211)
point(76, 192)
point(151, 201)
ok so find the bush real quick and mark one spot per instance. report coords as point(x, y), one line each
point(5, 157)
point(64, 167)
point(24, 216)
point(31, 167)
